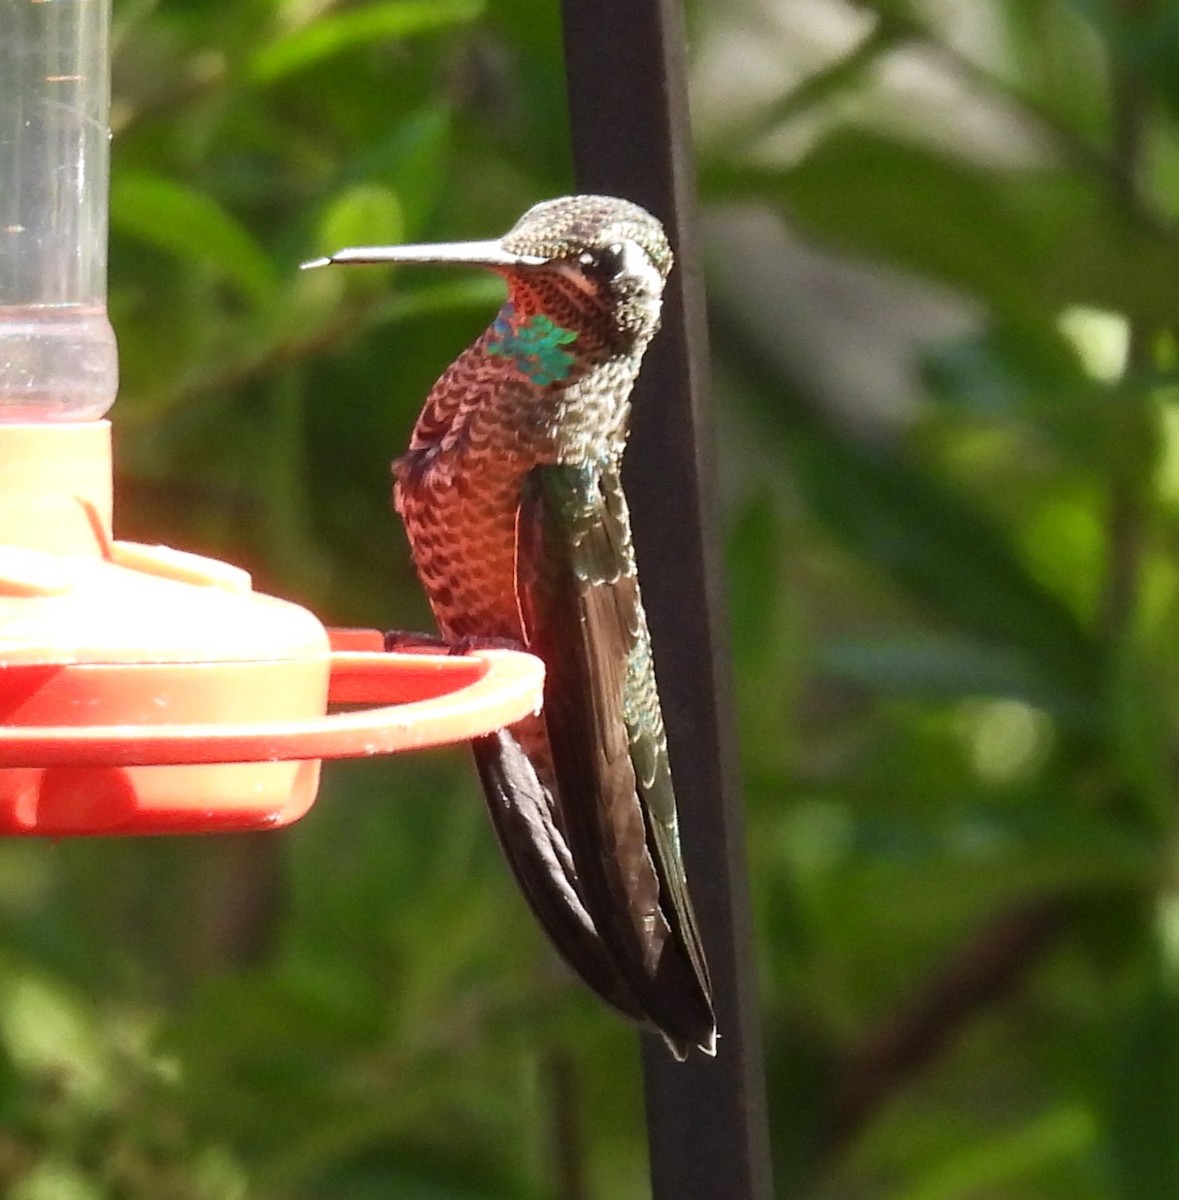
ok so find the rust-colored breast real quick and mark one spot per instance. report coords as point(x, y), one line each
point(458, 490)
point(498, 411)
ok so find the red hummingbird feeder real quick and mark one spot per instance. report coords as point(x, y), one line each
point(146, 690)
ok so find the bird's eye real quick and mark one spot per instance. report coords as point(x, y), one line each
point(611, 260)
point(606, 262)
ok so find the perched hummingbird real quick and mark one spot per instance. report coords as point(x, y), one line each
point(511, 497)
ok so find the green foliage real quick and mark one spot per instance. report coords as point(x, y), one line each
point(955, 627)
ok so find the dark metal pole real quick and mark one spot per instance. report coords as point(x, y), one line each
point(626, 69)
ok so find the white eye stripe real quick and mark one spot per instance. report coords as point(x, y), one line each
point(637, 264)
point(633, 263)
point(576, 276)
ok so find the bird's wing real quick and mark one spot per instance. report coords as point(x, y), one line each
point(538, 855)
point(583, 615)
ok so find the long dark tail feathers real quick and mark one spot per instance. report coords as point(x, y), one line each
point(603, 740)
point(535, 848)
point(681, 1050)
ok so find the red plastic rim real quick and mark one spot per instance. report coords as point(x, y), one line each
point(425, 700)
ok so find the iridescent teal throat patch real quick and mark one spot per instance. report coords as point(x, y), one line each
point(533, 347)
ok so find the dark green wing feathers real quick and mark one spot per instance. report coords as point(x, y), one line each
point(538, 854)
point(582, 614)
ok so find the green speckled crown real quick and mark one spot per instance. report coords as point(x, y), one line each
point(565, 227)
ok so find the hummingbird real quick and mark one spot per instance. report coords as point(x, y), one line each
point(511, 497)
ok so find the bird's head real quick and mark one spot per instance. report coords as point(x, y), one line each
point(595, 264)
point(599, 261)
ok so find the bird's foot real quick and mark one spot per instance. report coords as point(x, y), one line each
point(402, 639)
point(408, 639)
point(465, 645)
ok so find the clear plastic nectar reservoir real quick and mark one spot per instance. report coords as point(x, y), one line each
point(57, 349)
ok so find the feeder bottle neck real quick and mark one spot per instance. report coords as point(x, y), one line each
point(57, 348)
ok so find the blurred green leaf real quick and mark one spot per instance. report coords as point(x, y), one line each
point(193, 226)
point(1007, 1158)
point(940, 667)
point(47, 1033)
point(886, 508)
point(56, 1181)
point(413, 160)
point(1143, 39)
point(1023, 240)
point(1142, 1102)
point(337, 32)
point(1142, 737)
point(365, 214)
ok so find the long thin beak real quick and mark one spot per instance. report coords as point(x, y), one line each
point(475, 254)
